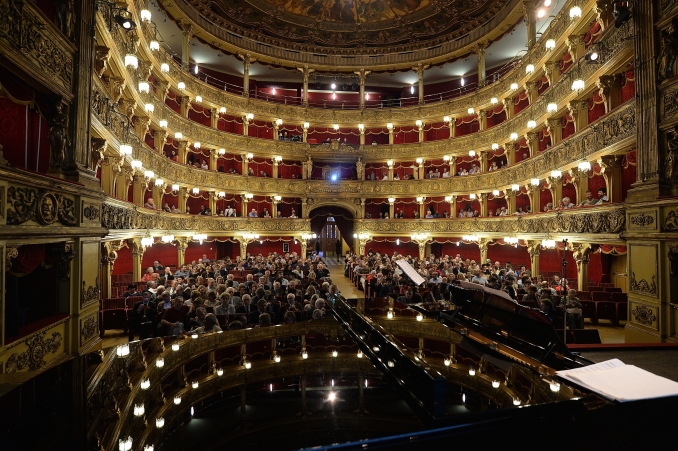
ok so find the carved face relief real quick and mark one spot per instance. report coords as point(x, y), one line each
point(47, 209)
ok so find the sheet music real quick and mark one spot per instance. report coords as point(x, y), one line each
point(410, 272)
point(615, 380)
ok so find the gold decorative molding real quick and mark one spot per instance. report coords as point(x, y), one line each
point(641, 220)
point(642, 286)
point(45, 208)
point(644, 315)
point(89, 328)
point(34, 357)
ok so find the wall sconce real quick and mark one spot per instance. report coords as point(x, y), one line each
point(391, 200)
point(220, 371)
point(514, 136)
point(154, 45)
point(420, 317)
point(160, 362)
point(250, 116)
point(446, 158)
point(535, 182)
point(446, 119)
point(584, 166)
point(389, 126)
point(531, 123)
point(494, 101)
point(495, 146)
point(198, 99)
point(448, 198)
point(136, 164)
point(195, 384)
point(575, 12)
point(175, 188)
point(197, 145)
point(419, 160)
point(159, 422)
point(162, 123)
point(556, 174)
point(222, 151)
point(177, 400)
point(514, 86)
point(472, 196)
point(247, 364)
point(122, 350)
point(515, 187)
point(419, 237)
point(195, 191)
point(471, 111)
point(149, 174)
point(139, 410)
point(178, 135)
point(164, 67)
point(306, 125)
point(159, 183)
point(175, 347)
point(304, 354)
point(145, 15)
point(149, 107)
point(131, 61)
point(200, 237)
point(496, 192)
point(496, 384)
point(360, 354)
point(144, 87)
point(471, 372)
point(335, 353)
point(529, 69)
point(221, 194)
point(510, 240)
point(277, 198)
point(278, 158)
point(418, 123)
point(389, 163)
point(250, 236)
point(447, 361)
point(125, 444)
point(471, 153)
point(278, 122)
point(420, 200)
point(181, 85)
point(548, 244)
point(335, 127)
point(125, 149)
point(249, 196)
point(550, 44)
point(552, 107)
point(250, 156)
point(578, 85)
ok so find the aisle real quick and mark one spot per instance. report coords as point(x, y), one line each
point(346, 288)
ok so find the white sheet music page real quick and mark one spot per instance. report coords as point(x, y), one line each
point(615, 380)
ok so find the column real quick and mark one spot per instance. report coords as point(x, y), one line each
point(360, 169)
point(141, 124)
point(139, 187)
point(159, 140)
point(533, 249)
point(362, 134)
point(531, 19)
point(161, 89)
point(422, 171)
point(452, 124)
point(276, 167)
point(422, 249)
point(122, 182)
point(580, 253)
point(554, 126)
point(647, 186)
point(453, 206)
point(422, 208)
point(137, 257)
point(182, 244)
point(482, 245)
point(532, 91)
point(480, 52)
point(304, 248)
point(362, 210)
point(245, 163)
point(510, 200)
point(580, 179)
point(362, 73)
point(243, 247)
point(551, 72)
point(247, 61)
point(532, 140)
point(510, 148)
point(110, 169)
point(182, 199)
point(158, 193)
point(182, 151)
point(306, 71)
point(612, 172)
point(509, 107)
point(187, 34)
point(274, 207)
point(245, 126)
point(185, 105)
point(390, 172)
point(609, 88)
point(243, 205)
point(556, 188)
point(453, 166)
point(420, 75)
point(391, 209)
point(420, 128)
point(483, 161)
point(579, 110)
point(483, 204)
point(214, 118)
point(482, 119)
point(108, 258)
point(390, 133)
point(276, 127)
point(77, 158)
point(534, 193)
point(576, 46)
point(214, 155)
point(213, 202)
point(304, 133)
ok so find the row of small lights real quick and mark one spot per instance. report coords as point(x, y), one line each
point(132, 60)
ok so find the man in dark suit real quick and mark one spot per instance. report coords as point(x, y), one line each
point(144, 315)
point(253, 317)
point(410, 297)
point(245, 307)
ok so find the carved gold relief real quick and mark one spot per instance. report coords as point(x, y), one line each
point(33, 358)
point(89, 329)
point(30, 204)
point(642, 220)
point(643, 314)
point(642, 285)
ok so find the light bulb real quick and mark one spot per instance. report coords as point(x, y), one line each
point(514, 136)
point(471, 372)
point(470, 110)
point(125, 149)
point(494, 101)
point(535, 182)
point(578, 85)
point(195, 384)
point(159, 422)
point(575, 12)
point(136, 164)
point(514, 86)
point(335, 353)
point(162, 123)
point(446, 119)
point(495, 192)
point(145, 15)
point(531, 123)
point(164, 67)
point(177, 400)
point(154, 45)
point(552, 107)
point(515, 187)
point(220, 372)
point(149, 108)
point(555, 387)
point(471, 153)
point(529, 68)
point(360, 354)
point(447, 362)
point(495, 146)
point(550, 44)
point(178, 135)
point(420, 317)
point(144, 87)
point(304, 355)
point(541, 13)
point(556, 174)
point(516, 401)
point(222, 109)
point(145, 384)
point(175, 347)
point(181, 85)
point(248, 365)
point(160, 362)
point(495, 384)
point(198, 99)
point(131, 61)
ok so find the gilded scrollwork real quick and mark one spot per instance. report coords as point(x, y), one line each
point(30, 204)
point(90, 327)
point(34, 357)
point(642, 285)
point(644, 315)
point(91, 293)
point(642, 220)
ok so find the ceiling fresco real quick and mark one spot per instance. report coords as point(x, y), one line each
point(353, 23)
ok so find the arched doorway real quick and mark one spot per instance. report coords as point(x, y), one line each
point(331, 224)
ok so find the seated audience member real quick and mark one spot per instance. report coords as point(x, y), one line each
point(211, 325)
point(602, 196)
point(573, 309)
point(143, 316)
point(547, 309)
point(590, 200)
point(253, 213)
point(148, 276)
point(150, 203)
point(565, 204)
point(548, 207)
point(173, 318)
